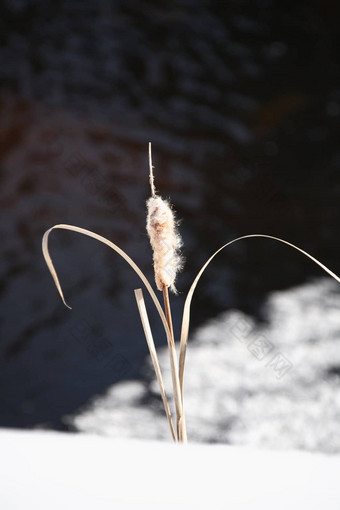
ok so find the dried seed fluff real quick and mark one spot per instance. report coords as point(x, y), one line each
point(165, 241)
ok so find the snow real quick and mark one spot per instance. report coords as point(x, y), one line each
point(51, 470)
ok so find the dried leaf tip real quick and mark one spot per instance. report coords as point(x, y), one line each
point(164, 238)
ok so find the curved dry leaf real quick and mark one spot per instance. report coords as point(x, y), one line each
point(113, 247)
point(173, 358)
point(187, 304)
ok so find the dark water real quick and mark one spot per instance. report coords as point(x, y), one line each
point(242, 103)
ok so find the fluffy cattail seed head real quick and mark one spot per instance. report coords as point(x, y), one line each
point(164, 238)
point(165, 241)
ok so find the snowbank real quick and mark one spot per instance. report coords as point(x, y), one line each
point(49, 470)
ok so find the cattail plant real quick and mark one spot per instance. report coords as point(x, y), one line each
point(166, 243)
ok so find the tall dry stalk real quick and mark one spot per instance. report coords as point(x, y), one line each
point(166, 243)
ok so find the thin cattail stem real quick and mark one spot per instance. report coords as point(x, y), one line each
point(181, 428)
point(168, 311)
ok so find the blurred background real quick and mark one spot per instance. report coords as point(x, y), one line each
point(241, 101)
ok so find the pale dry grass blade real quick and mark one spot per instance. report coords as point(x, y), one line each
point(173, 357)
point(113, 247)
point(153, 355)
point(187, 304)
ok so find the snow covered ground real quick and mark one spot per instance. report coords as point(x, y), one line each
point(49, 470)
point(272, 388)
point(271, 385)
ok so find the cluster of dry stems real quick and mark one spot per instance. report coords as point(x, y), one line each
point(166, 244)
